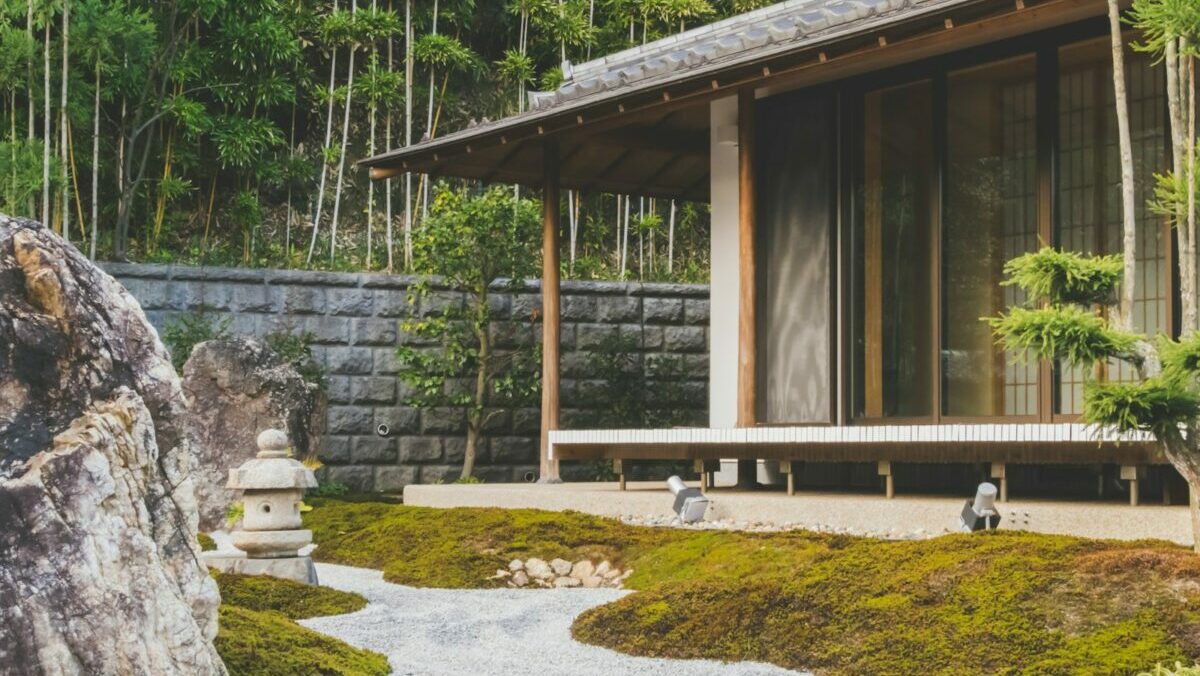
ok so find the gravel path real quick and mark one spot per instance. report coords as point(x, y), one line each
point(502, 631)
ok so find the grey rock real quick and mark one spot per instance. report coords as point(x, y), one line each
point(98, 525)
point(420, 449)
point(393, 479)
point(662, 310)
point(560, 566)
point(235, 389)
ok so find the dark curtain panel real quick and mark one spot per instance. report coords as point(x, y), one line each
point(796, 198)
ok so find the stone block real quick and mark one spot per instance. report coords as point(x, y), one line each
point(445, 420)
point(303, 300)
point(500, 305)
point(337, 388)
point(350, 360)
point(511, 335)
point(455, 449)
point(513, 450)
point(525, 307)
point(579, 308)
point(350, 420)
point(386, 362)
point(527, 421)
point(392, 303)
point(334, 450)
point(356, 477)
point(420, 449)
point(250, 298)
point(680, 339)
point(393, 479)
point(631, 336)
point(591, 336)
point(652, 337)
point(373, 331)
point(662, 310)
point(616, 309)
point(373, 390)
point(439, 474)
point(438, 302)
point(696, 311)
point(496, 421)
point(373, 450)
point(350, 302)
point(150, 294)
point(400, 420)
point(324, 330)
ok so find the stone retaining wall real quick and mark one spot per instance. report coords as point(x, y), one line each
point(355, 321)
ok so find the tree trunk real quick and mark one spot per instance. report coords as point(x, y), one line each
point(29, 92)
point(387, 142)
point(64, 121)
point(316, 215)
point(95, 163)
point(671, 240)
point(1128, 196)
point(429, 123)
point(337, 195)
point(1187, 262)
point(46, 126)
point(484, 362)
point(408, 76)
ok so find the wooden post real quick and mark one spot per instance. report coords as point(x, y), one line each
point(698, 466)
point(885, 471)
point(873, 262)
point(550, 310)
point(786, 467)
point(1000, 471)
point(747, 278)
point(619, 468)
point(1130, 473)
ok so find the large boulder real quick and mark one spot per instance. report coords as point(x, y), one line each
point(235, 389)
point(99, 567)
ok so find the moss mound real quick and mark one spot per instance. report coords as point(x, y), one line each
point(206, 542)
point(1006, 602)
point(459, 548)
point(255, 643)
point(258, 636)
point(290, 599)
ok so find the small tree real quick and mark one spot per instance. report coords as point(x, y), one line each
point(475, 244)
point(1059, 324)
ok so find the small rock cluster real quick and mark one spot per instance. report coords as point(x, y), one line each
point(561, 573)
point(764, 527)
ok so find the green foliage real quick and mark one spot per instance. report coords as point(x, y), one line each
point(1065, 276)
point(1155, 405)
point(293, 600)
point(206, 542)
point(253, 643)
point(1001, 602)
point(329, 489)
point(234, 513)
point(635, 390)
point(186, 331)
point(258, 637)
point(1160, 21)
point(1070, 334)
point(295, 348)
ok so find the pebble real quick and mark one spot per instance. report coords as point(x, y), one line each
point(538, 569)
point(560, 567)
point(560, 573)
point(519, 579)
point(516, 564)
point(566, 582)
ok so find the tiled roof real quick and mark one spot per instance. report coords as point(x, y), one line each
point(781, 26)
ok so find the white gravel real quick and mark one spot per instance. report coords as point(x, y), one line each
point(502, 631)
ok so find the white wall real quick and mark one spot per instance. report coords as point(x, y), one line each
point(723, 329)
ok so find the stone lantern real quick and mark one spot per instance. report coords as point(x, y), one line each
point(273, 485)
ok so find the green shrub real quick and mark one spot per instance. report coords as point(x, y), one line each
point(184, 332)
point(296, 349)
point(254, 643)
point(291, 599)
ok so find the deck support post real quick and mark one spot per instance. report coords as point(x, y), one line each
point(1131, 474)
point(1000, 471)
point(747, 474)
point(619, 468)
point(551, 329)
point(885, 471)
point(788, 467)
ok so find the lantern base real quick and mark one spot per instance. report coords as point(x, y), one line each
point(270, 544)
point(296, 568)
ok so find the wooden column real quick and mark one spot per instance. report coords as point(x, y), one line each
point(873, 260)
point(551, 329)
point(747, 279)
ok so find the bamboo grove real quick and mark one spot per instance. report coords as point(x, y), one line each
point(226, 131)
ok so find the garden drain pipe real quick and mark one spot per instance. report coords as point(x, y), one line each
point(690, 503)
